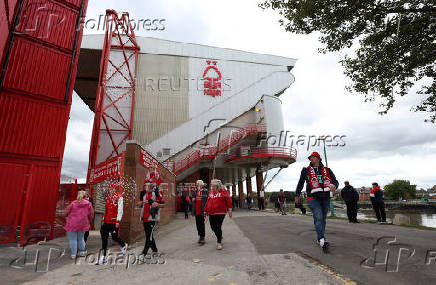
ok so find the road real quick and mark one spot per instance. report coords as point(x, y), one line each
point(350, 245)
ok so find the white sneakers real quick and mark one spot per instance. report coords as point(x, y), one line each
point(124, 249)
point(321, 242)
point(324, 245)
point(102, 260)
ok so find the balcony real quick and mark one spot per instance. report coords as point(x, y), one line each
point(251, 154)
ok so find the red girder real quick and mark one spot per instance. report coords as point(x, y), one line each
point(117, 28)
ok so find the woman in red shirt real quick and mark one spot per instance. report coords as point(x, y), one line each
point(217, 205)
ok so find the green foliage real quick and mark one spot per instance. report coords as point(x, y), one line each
point(400, 189)
point(395, 43)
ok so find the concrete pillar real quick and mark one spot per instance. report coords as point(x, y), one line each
point(241, 193)
point(248, 183)
point(259, 184)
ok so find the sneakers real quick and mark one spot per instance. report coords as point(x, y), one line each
point(124, 249)
point(73, 256)
point(321, 242)
point(101, 260)
point(324, 245)
point(219, 246)
point(83, 253)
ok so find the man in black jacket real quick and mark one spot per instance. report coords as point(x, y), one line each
point(319, 180)
point(199, 199)
point(378, 203)
point(350, 196)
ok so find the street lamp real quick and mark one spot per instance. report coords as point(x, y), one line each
point(332, 208)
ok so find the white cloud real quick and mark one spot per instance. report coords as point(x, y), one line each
point(378, 148)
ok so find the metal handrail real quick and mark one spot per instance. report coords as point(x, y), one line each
point(212, 151)
point(267, 151)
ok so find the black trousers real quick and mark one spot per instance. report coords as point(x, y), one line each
point(149, 238)
point(352, 211)
point(379, 209)
point(199, 221)
point(216, 222)
point(107, 228)
point(262, 203)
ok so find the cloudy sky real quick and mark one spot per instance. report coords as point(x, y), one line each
point(399, 145)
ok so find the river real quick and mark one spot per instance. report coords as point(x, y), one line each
point(423, 218)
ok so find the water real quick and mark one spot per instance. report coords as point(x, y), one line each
point(423, 218)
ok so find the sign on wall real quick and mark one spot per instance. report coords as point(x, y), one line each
point(212, 79)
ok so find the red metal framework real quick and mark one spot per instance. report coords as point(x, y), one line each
point(115, 98)
point(39, 46)
point(212, 151)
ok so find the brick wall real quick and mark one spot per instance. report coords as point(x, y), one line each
point(131, 226)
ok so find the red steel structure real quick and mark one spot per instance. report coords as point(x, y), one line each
point(115, 97)
point(212, 151)
point(39, 45)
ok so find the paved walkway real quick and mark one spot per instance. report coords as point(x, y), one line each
point(186, 262)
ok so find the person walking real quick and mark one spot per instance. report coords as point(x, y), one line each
point(262, 200)
point(282, 201)
point(79, 218)
point(152, 202)
point(378, 203)
point(249, 200)
point(350, 197)
point(185, 204)
point(320, 180)
point(88, 197)
point(199, 202)
point(217, 205)
point(113, 213)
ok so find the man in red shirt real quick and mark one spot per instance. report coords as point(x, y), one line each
point(152, 202)
point(217, 206)
point(113, 212)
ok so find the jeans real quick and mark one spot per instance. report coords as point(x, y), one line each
point(319, 210)
point(76, 240)
point(282, 208)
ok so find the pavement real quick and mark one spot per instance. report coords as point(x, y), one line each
point(365, 253)
point(182, 261)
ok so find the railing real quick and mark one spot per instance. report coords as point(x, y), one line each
point(267, 151)
point(211, 151)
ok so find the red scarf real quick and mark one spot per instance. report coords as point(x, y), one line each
point(313, 179)
point(375, 188)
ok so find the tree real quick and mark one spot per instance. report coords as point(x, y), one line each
point(400, 189)
point(396, 43)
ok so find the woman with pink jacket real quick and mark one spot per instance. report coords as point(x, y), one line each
point(79, 217)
